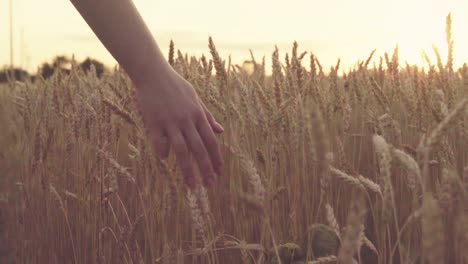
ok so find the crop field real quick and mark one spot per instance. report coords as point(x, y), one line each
point(368, 165)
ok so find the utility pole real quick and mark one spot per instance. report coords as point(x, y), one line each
point(23, 49)
point(11, 36)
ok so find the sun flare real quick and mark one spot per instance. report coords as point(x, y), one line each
point(330, 29)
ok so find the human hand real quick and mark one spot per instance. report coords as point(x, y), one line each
point(175, 116)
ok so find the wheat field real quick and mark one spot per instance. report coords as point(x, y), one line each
point(368, 165)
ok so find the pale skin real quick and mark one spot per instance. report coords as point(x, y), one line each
point(173, 113)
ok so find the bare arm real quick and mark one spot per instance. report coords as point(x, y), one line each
point(123, 32)
point(173, 113)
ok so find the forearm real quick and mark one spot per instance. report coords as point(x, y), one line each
point(123, 32)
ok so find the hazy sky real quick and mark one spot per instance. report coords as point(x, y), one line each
point(349, 29)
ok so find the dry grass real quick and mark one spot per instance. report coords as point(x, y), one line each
point(381, 151)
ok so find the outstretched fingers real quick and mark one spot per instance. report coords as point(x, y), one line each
point(195, 138)
point(209, 141)
point(184, 159)
point(199, 152)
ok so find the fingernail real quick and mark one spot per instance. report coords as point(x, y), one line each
point(219, 127)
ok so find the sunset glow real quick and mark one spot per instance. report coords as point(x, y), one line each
point(330, 29)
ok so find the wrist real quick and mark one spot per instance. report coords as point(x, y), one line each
point(151, 72)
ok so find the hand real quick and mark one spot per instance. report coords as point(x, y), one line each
point(175, 115)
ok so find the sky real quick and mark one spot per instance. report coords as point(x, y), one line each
point(349, 29)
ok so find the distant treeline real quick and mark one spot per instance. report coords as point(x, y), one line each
point(46, 70)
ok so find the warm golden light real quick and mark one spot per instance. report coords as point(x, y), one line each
point(331, 29)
